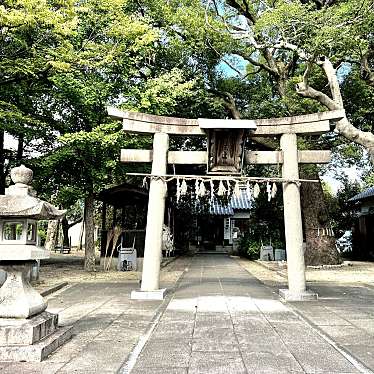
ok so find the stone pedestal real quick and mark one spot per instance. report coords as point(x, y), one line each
point(18, 298)
point(27, 331)
point(31, 339)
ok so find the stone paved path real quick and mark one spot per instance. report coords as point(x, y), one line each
point(106, 326)
point(220, 319)
point(223, 320)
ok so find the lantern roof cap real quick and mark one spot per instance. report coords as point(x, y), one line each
point(20, 200)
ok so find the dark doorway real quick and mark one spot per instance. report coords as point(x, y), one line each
point(211, 232)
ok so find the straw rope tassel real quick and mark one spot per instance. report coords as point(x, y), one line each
point(274, 190)
point(248, 189)
point(202, 189)
point(196, 187)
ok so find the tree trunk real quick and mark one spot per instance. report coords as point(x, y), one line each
point(2, 165)
point(65, 232)
point(89, 224)
point(20, 148)
point(81, 232)
point(320, 241)
point(51, 239)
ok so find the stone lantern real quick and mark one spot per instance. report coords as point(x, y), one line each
point(27, 331)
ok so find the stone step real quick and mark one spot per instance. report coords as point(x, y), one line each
point(27, 331)
point(39, 351)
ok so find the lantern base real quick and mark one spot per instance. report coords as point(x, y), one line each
point(18, 297)
point(31, 340)
point(27, 331)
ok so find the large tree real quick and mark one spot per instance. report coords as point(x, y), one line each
point(34, 45)
point(280, 42)
point(119, 61)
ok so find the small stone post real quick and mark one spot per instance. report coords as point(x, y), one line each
point(293, 223)
point(155, 219)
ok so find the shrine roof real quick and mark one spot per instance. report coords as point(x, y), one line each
point(242, 202)
point(366, 194)
point(124, 194)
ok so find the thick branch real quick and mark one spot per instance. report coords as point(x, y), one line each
point(333, 81)
point(343, 127)
point(366, 73)
point(243, 10)
point(229, 103)
point(75, 222)
point(261, 65)
point(306, 91)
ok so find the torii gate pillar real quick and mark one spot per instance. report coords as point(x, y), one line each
point(293, 224)
point(155, 219)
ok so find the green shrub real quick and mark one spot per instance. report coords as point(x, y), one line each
point(249, 247)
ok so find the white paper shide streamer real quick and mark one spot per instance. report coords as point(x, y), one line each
point(221, 189)
point(256, 191)
point(202, 189)
point(184, 187)
point(228, 187)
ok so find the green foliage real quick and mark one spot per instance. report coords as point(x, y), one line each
point(63, 62)
point(249, 247)
point(341, 213)
point(34, 45)
point(118, 56)
point(162, 94)
point(331, 30)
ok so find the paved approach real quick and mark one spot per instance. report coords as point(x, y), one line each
point(217, 319)
point(223, 320)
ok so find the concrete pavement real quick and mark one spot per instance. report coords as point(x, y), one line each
point(219, 319)
point(223, 320)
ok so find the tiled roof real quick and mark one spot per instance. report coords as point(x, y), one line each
point(369, 192)
point(242, 202)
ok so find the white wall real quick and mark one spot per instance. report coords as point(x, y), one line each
point(74, 234)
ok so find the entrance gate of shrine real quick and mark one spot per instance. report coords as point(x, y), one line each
point(224, 157)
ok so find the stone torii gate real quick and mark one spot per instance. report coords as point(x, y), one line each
point(225, 156)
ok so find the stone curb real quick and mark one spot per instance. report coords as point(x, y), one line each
point(53, 289)
point(58, 287)
point(168, 261)
point(266, 266)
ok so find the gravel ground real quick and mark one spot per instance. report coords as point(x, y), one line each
point(68, 268)
point(352, 272)
point(60, 268)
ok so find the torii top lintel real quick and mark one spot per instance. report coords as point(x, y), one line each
point(315, 123)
